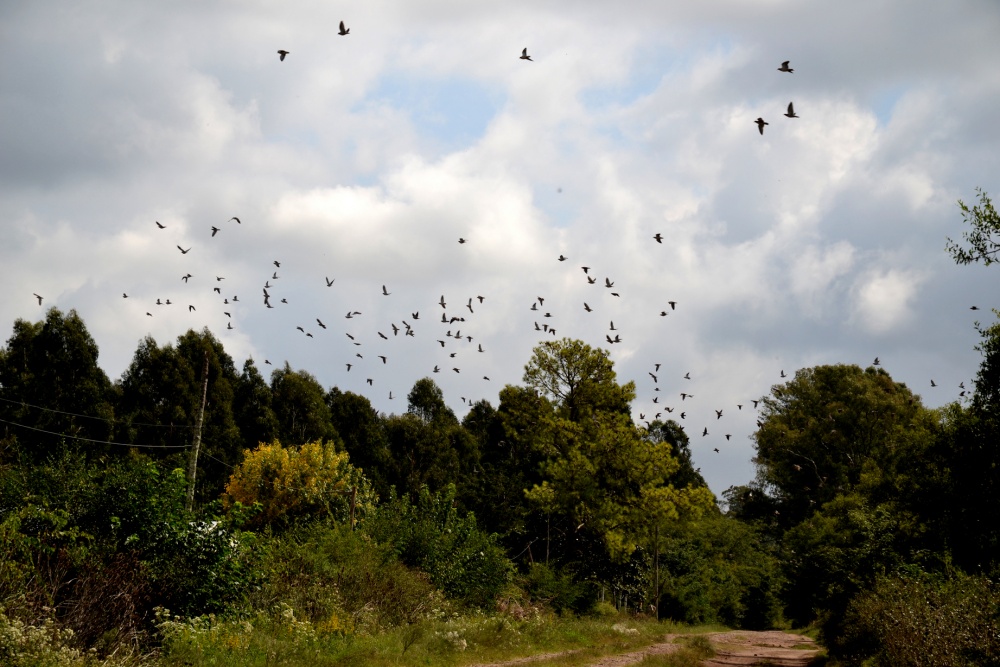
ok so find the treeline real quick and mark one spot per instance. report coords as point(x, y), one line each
point(871, 517)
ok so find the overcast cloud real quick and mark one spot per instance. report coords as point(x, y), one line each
point(365, 158)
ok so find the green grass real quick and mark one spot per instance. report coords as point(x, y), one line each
point(283, 639)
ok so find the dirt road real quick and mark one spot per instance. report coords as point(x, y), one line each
point(743, 647)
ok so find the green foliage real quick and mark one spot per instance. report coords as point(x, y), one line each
point(719, 570)
point(300, 405)
point(48, 377)
point(913, 619)
point(252, 407)
point(429, 532)
point(985, 223)
point(161, 398)
point(832, 428)
point(579, 378)
point(335, 577)
point(559, 589)
point(363, 432)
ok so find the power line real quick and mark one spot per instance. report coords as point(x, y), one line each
point(102, 442)
point(104, 419)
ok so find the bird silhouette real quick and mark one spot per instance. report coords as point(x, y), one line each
point(191, 309)
point(236, 219)
point(524, 54)
point(563, 258)
point(461, 240)
point(658, 237)
point(183, 251)
point(385, 292)
point(37, 296)
point(344, 31)
point(321, 325)
point(587, 308)
point(281, 54)
point(672, 304)
point(785, 68)
point(608, 283)
point(329, 282)
point(791, 111)
point(159, 225)
point(876, 362)
point(760, 124)
point(215, 230)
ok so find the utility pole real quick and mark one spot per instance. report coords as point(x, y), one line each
point(656, 566)
point(192, 470)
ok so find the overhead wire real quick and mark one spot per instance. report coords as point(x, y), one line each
point(104, 419)
point(102, 442)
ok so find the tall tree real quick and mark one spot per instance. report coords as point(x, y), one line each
point(579, 378)
point(832, 427)
point(161, 397)
point(300, 405)
point(599, 474)
point(363, 432)
point(252, 407)
point(50, 380)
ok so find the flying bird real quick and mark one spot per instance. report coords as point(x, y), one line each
point(329, 282)
point(563, 258)
point(587, 308)
point(39, 298)
point(215, 230)
point(785, 68)
point(461, 240)
point(524, 54)
point(190, 309)
point(281, 54)
point(124, 295)
point(183, 251)
point(608, 283)
point(658, 237)
point(321, 325)
point(760, 124)
point(791, 111)
point(236, 219)
point(344, 30)
point(159, 225)
point(876, 362)
point(385, 292)
point(673, 305)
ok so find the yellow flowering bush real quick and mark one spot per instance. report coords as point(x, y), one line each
point(311, 480)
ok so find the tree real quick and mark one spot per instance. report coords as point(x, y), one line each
point(161, 397)
point(300, 405)
point(252, 406)
point(363, 432)
point(831, 428)
point(985, 224)
point(50, 380)
point(579, 378)
point(598, 470)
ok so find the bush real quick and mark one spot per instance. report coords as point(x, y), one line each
point(314, 480)
point(561, 590)
point(466, 563)
point(915, 619)
point(335, 577)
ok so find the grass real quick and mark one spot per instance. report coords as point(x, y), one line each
point(283, 639)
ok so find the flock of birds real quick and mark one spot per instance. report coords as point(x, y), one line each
point(454, 336)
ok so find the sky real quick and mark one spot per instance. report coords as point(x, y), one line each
point(363, 159)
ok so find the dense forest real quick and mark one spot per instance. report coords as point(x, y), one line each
point(190, 489)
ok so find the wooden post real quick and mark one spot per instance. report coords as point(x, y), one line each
point(192, 470)
point(656, 568)
point(354, 500)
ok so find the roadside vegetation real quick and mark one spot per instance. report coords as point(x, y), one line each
point(319, 531)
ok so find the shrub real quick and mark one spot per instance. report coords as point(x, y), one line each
point(915, 619)
point(314, 480)
point(465, 562)
point(331, 575)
